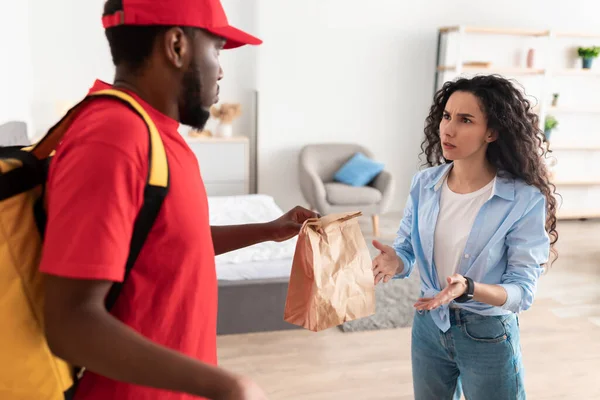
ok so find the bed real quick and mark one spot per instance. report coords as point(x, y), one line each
point(252, 281)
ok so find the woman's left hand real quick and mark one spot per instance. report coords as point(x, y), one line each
point(457, 285)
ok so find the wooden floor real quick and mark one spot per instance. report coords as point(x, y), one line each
point(560, 339)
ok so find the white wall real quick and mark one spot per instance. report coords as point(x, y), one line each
point(15, 68)
point(70, 51)
point(352, 71)
point(329, 70)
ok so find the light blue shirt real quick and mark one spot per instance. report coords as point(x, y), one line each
point(507, 244)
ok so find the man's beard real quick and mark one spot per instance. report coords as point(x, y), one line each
point(191, 111)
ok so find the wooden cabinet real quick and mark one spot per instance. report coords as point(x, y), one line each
point(224, 164)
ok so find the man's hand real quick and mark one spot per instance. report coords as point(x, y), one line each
point(386, 264)
point(80, 330)
point(457, 285)
point(245, 389)
point(288, 225)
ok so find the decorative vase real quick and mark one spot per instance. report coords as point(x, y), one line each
point(587, 63)
point(530, 58)
point(555, 99)
point(224, 130)
point(548, 133)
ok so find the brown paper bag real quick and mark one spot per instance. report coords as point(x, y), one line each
point(332, 279)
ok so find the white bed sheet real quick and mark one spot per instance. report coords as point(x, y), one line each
point(262, 261)
point(267, 269)
point(250, 209)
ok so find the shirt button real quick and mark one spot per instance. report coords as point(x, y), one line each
point(467, 256)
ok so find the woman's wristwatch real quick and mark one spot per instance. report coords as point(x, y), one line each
point(468, 294)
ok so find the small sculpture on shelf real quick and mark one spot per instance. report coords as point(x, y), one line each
point(550, 124)
point(530, 58)
point(587, 55)
point(226, 113)
point(194, 133)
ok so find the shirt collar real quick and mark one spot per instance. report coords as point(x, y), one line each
point(504, 187)
point(438, 178)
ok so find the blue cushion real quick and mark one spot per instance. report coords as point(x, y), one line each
point(358, 171)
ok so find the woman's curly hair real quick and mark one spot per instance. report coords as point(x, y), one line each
point(520, 148)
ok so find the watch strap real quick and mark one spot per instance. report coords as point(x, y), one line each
point(468, 294)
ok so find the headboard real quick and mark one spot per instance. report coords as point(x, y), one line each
point(14, 133)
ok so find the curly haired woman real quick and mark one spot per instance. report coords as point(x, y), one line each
point(480, 224)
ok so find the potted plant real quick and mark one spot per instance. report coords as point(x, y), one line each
point(549, 124)
point(225, 114)
point(587, 54)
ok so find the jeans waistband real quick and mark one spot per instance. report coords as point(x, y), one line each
point(459, 316)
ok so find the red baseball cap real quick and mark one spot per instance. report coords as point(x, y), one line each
point(205, 14)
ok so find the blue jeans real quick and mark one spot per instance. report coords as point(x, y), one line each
point(479, 355)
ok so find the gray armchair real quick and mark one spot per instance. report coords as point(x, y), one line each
point(318, 165)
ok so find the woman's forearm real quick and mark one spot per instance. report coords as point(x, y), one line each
point(494, 295)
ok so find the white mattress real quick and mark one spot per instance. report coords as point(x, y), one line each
point(269, 269)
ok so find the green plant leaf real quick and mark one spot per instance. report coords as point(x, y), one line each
point(588, 52)
point(550, 123)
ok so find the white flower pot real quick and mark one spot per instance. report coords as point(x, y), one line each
point(225, 130)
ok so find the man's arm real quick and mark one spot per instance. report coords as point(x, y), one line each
point(82, 332)
point(92, 206)
point(232, 237)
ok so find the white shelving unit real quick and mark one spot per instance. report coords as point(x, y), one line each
point(575, 163)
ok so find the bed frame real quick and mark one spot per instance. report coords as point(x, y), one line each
point(249, 306)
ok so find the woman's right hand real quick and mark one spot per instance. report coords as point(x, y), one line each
point(386, 264)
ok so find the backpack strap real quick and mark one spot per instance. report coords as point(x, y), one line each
point(157, 181)
point(18, 180)
point(157, 186)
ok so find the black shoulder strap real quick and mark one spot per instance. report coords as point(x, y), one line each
point(18, 180)
point(153, 199)
point(155, 191)
point(157, 187)
point(157, 182)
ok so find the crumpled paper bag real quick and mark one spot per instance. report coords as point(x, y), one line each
point(332, 278)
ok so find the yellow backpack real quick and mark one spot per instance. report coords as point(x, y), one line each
point(28, 369)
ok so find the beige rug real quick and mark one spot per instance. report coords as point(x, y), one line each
point(395, 299)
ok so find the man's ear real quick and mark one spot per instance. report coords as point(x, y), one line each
point(177, 46)
point(491, 136)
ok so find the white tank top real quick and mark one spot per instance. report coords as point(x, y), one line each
point(455, 219)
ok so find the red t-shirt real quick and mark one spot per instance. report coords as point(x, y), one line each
point(95, 190)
